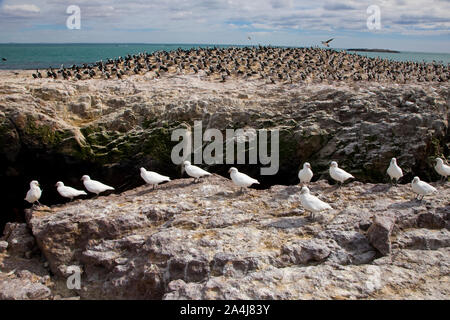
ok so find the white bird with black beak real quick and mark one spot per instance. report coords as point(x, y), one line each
point(442, 169)
point(338, 174)
point(153, 178)
point(312, 203)
point(421, 188)
point(241, 179)
point(34, 194)
point(305, 175)
point(194, 171)
point(95, 186)
point(68, 192)
point(394, 171)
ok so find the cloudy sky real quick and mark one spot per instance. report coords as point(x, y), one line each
point(413, 25)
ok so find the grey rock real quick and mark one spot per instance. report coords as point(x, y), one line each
point(219, 244)
point(19, 289)
point(379, 233)
point(3, 246)
point(19, 238)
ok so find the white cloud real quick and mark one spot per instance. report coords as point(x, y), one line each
point(21, 8)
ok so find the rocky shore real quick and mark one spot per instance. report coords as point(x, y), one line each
point(109, 129)
point(204, 240)
point(208, 241)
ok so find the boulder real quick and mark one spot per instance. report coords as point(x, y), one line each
point(379, 233)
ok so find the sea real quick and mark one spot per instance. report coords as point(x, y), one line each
point(42, 56)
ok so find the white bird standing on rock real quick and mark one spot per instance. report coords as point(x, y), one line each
point(153, 178)
point(34, 194)
point(305, 175)
point(421, 188)
point(338, 174)
point(241, 179)
point(312, 203)
point(68, 192)
point(95, 186)
point(442, 168)
point(394, 171)
point(194, 171)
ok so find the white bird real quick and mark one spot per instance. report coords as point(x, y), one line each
point(442, 168)
point(421, 188)
point(305, 175)
point(68, 192)
point(95, 186)
point(34, 194)
point(338, 174)
point(153, 178)
point(195, 171)
point(312, 203)
point(394, 171)
point(241, 179)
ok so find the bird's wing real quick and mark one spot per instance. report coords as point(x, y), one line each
point(329, 40)
point(29, 194)
point(318, 204)
point(74, 191)
point(99, 185)
point(446, 169)
point(154, 176)
point(198, 171)
point(343, 173)
point(426, 187)
point(245, 178)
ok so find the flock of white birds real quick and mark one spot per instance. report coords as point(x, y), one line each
point(310, 202)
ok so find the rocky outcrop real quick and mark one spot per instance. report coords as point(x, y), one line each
point(208, 241)
point(24, 273)
point(70, 128)
point(379, 233)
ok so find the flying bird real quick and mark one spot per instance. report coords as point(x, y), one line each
point(4, 59)
point(194, 171)
point(241, 179)
point(305, 175)
point(34, 194)
point(394, 171)
point(95, 186)
point(68, 192)
point(312, 203)
point(326, 43)
point(442, 168)
point(421, 188)
point(153, 178)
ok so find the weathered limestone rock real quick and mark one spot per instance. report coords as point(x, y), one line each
point(18, 289)
point(3, 246)
point(208, 241)
point(19, 239)
point(379, 233)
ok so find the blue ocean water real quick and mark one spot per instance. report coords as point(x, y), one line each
point(41, 56)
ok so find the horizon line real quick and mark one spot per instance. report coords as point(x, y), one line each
point(203, 44)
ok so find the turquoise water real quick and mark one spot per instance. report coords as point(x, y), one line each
point(33, 56)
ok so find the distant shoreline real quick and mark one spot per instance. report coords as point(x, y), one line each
point(374, 50)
